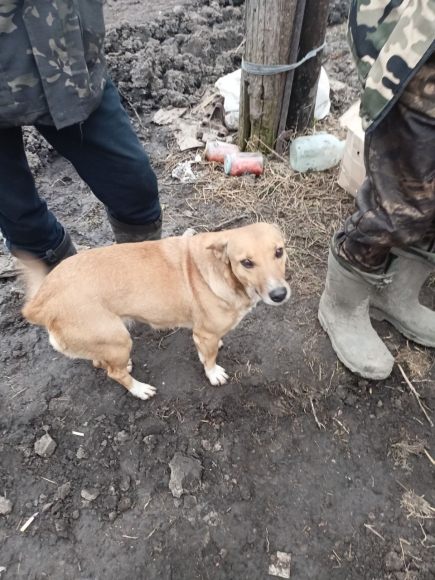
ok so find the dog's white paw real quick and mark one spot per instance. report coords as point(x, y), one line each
point(129, 365)
point(217, 376)
point(142, 390)
point(220, 345)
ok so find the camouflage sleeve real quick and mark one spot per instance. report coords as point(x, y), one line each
point(389, 40)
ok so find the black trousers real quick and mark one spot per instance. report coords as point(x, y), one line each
point(108, 156)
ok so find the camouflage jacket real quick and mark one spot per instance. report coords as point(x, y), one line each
point(52, 67)
point(390, 41)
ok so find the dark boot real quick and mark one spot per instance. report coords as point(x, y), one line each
point(53, 257)
point(125, 233)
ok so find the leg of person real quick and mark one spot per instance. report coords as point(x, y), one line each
point(109, 157)
point(28, 227)
point(396, 208)
point(396, 204)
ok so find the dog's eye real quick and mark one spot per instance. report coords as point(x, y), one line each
point(279, 252)
point(247, 263)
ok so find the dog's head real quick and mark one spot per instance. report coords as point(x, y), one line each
point(257, 258)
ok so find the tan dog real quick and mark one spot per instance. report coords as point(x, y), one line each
point(207, 282)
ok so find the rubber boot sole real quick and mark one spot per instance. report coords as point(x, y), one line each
point(347, 364)
point(380, 316)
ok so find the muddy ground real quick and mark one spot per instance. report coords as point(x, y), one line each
point(294, 455)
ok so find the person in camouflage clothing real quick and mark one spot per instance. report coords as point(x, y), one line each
point(383, 254)
point(53, 75)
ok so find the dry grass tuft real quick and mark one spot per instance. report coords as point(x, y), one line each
point(417, 360)
point(417, 506)
point(402, 451)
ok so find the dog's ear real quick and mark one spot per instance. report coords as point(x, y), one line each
point(220, 250)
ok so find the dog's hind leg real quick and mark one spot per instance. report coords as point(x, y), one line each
point(208, 348)
point(108, 344)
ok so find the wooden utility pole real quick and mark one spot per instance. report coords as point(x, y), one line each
point(269, 32)
point(306, 78)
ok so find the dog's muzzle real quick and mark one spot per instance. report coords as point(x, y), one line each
point(278, 294)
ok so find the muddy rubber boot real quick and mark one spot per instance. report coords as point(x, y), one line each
point(53, 257)
point(344, 315)
point(125, 233)
point(398, 302)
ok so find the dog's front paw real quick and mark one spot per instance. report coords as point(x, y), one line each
point(142, 390)
point(217, 376)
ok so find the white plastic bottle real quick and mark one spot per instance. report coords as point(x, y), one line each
point(316, 152)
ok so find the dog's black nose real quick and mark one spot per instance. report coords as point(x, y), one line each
point(279, 294)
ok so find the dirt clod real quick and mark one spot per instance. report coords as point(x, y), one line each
point(124, 504)
point(125, 483)
point(63, 491)
point(5, 506)
point(89, 494)
point(185, 475)
point(81, 453)
point(45, 446)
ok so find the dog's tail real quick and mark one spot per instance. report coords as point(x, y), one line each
point(33, 274)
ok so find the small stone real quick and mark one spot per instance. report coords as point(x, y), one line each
point(45, 446)
point(5, 506)
point(124, 504)
point(217, 447)
point(280, 565)
point(185, 474)
point(46, 507)
point(122, 437)
point(75, 515)
point(89, 494)
point(380, 404)
point(81, 453)
point(212, 519)
point(125, 483)
point(112, 516)
point(393, 562)
point(63, 491)
point(206, 445)
point(177, 502)
point(61, 528)
point(189, 233)
point(150, 440)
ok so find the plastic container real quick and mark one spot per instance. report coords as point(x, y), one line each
point(316, 152)
point(239, 163)
point(216, 150)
